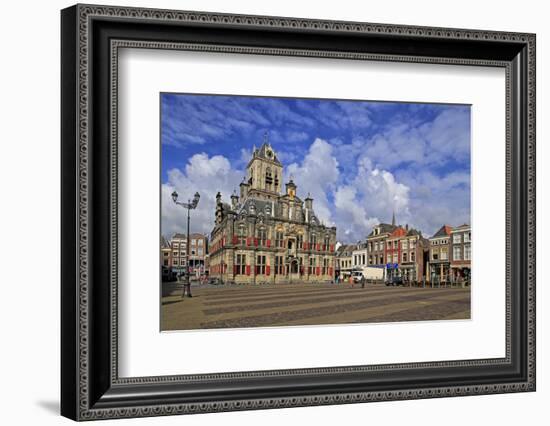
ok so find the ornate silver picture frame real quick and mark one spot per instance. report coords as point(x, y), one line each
point(91, 37)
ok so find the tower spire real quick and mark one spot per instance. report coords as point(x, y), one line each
point(266, 138)
point(393, 219)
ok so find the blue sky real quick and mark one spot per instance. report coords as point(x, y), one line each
point(359, 160)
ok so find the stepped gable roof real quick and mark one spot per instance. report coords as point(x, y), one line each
point(444, 231)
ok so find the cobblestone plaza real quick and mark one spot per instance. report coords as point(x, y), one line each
point(307, 304)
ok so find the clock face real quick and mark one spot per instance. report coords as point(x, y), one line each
point(269, 154)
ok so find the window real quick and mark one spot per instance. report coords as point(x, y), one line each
point(381, 260)
point(370, 246)
point(201, 242)
point(325, 266)
point(279, 239)
point(279, 265)
point(300, 241)
point(457, 253)
point(311, 269)
point(193, 242)
point(404, 257)
point(175, 262)
point(467, 236)
point(457, 239)
point(412, 243)
point(175, 253)
point(467, 252)
point(165, 262)
point(240, 264)
point(175, 245)
point(389, 258)
point(389, 244)
point(363, 262)
point(395, 244)
point(199, 252)
point(326, 243)
point(312, 241)
point(435, 254)
point(405, 245)
point(375, 246)
point(395, 258)
point(444, 254)
point(413, 256)
point(241, 235)
point(262, 236)
point(260, 265)
point(370, 260)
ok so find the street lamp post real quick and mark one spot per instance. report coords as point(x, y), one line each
point(190, 205)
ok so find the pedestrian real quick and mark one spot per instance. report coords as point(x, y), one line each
point(363, 281)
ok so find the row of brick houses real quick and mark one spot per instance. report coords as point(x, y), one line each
point(403, 252)
point(174, 253)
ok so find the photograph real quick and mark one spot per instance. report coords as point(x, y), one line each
point(280, 211)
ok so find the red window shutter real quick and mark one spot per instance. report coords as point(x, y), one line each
point(305, 246)
point(332, 247)
point(318, 270)
point(267, 270)
point(301, 269)
point(256, 242)
point(330, 271)
point(247, 241)
point(234, 239)
point(268, 245)
point(318, 246)
point(247, 269)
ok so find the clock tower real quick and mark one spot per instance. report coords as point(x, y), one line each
point(264, 172)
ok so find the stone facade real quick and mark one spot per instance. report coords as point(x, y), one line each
point(265, 236)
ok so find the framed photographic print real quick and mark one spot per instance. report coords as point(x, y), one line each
point(263, 212)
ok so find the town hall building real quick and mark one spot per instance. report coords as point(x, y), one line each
point(265, 235)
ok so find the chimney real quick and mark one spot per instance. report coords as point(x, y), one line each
point(407, 226)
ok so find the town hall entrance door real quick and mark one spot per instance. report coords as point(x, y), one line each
point(294, 271)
